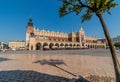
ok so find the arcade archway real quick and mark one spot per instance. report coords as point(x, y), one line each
point(38, 46)
point(50, 45)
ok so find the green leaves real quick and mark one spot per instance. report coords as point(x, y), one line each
point(68, 7)
point(90, 7)
point(87, 16)
point(73, 0)
point(63, 10)
point(117, 44)
point(77, 9)
point(107, 5)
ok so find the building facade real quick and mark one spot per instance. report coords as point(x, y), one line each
point(17, 44)
point(3, 45)
point(36, 39)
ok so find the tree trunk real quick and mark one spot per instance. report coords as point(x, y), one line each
point(112, 50)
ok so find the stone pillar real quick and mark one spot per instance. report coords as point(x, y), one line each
point(30, 47)
point(34, 47)
point(32, 43)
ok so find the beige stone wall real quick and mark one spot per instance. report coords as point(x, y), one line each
point(16, 44)
point(49, 34)
point(41, 37)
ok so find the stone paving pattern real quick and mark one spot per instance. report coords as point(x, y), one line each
point(57, 66)
point(32, 76)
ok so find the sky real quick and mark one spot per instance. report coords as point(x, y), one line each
point(15, 14)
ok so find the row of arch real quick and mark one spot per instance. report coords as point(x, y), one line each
point(39, 46)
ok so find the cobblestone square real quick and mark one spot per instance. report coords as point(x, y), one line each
point(56, 65)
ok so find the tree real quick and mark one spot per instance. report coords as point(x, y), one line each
point(117, 44)
point(93, 7)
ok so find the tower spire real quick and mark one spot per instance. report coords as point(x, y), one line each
point(81, 28)
point(30, 22)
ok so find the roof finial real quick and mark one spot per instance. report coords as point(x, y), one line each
point(30, 21)
point(81, 28)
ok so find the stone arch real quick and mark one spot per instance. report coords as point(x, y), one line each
point(74, 44)
point(88, 46)
point(31, 47)
point(82, 44)
point(61, 44)
point(45, 44)
point(66, 45)
point(78, 44)
point(70, 45)
point(50, 45)
point(38, 46)
point(56, 44)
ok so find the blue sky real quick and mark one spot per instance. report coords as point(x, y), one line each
point(14, 16)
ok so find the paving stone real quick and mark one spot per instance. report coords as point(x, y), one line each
point(47, 81)
point(29, 80)
point(28, 76)
point(71, 80)
point(63, 81)
point(57, 80)
point(13, 81)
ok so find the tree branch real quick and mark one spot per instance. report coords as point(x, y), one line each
point(100, 4)
point(66, 13)
point(83, 5)
point(95, 5)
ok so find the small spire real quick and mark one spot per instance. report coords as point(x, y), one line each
point(30, 22)
point(81, 28)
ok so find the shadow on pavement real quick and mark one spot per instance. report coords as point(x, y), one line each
point(4, 59)
point(51, 62)
point(32, 76)
point(55, 63)
point(89, 78)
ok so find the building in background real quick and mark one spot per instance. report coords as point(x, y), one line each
point(36, 39)
point(17, 44)
point(3, 45)
point(116, 39)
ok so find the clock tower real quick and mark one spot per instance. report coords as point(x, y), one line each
point(29, 30)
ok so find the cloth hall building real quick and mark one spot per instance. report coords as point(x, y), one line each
point(36, 39)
